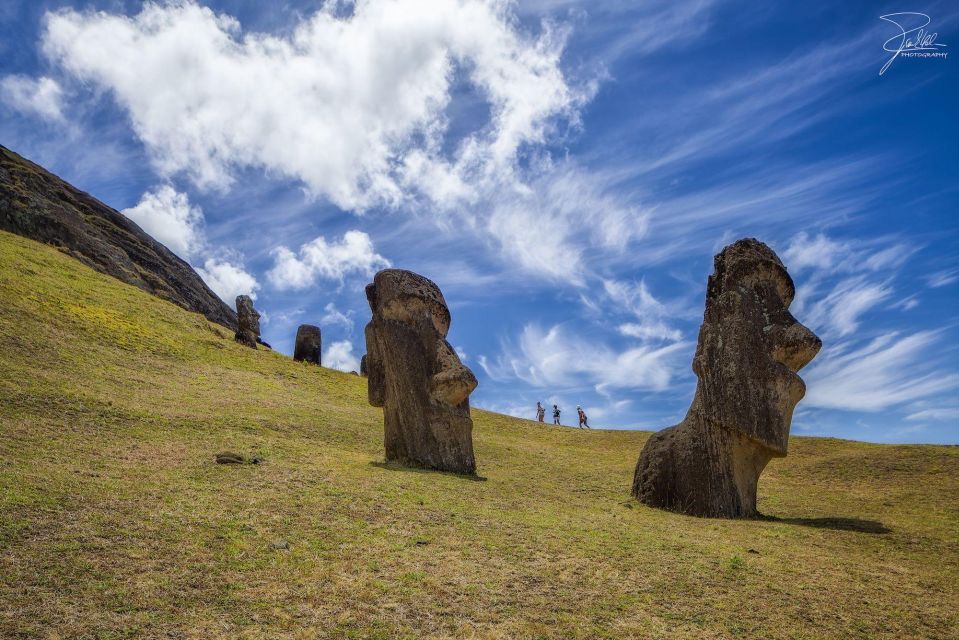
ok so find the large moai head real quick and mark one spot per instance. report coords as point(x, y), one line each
point(750, 347)
point(749, 352)
point(248, 322)
point(309, 344)
point(416, 376)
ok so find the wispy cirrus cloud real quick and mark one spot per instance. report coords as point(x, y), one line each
point(888, 370)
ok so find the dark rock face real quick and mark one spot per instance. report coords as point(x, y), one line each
point(309, 344)
point(415, 375)
point(750, 348)
point(248, 322)
point(38, 205)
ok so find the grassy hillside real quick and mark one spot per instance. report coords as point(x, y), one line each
point(116, 523)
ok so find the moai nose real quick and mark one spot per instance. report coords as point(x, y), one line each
point(795, 345)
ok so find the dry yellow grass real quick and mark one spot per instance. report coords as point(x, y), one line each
point(115, 523)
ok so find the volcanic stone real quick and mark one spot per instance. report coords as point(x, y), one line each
point(248, 322)
point(416, 376)
point(309, 344)
point(750, 348)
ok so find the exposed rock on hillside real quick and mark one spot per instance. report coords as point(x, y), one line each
point(750, 348)
point(36, 204)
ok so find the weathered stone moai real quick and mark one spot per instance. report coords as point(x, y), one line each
point(309, 344)
point(248, 322)
point(750, 348)
point(363, 370)
point(416, 376)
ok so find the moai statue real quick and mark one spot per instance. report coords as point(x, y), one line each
point(363, 370)
point(750, 348)
point(309, 344)
point(416, 376)
point(248, 322)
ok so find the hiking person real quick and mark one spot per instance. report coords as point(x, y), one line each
point(540, 412)
point(582, 418)
point(555, 414)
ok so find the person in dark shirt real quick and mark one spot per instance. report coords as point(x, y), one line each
point(555, 414)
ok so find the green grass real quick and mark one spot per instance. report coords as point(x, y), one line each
point(116, 523)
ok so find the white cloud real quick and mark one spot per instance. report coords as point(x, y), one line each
point(329, 260)
point(556, 358)
point(355, 106)
point(942, 278)
point(41, 96)
point(334, 316)
point(819, 252)
point(887, 371)
point(168, 216)
point(227, 280)
point(838, 313)
point(945, 413)
point(649, 312)
point(552, 226)
point(339, 355)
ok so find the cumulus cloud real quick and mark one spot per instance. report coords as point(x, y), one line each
point(329, 260)
point(556, 358)
point(339, 355)
point(228, 280)
point(334, 316)
point(886, 371)
point(355, 106)
point(35, 96)
point(172, 220)
point(168, 216)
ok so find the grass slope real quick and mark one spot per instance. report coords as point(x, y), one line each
point(115, 523)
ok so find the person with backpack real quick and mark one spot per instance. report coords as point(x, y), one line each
point(555, 414)
point(540, 412)
point(582, 418)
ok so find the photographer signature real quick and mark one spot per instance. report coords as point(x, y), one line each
point(922, 40)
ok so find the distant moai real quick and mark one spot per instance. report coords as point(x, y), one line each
point(363, 370)
point(750, 348)
point(248, 322)
point(309, 344)
point(416, 376)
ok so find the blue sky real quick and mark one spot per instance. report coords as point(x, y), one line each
point(565, 171)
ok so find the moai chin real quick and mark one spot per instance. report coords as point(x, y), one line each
point(416, 376)
point(750, 348)
point(248, 322)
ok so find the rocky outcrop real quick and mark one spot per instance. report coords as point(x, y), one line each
point(750, 348)
point(309, 344)
point(416, 376)
point(36, 204)
point(248, 322)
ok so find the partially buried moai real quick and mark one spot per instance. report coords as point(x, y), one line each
point(416, 376)
point(309, 344)
point(750, 348)
point(248, 322)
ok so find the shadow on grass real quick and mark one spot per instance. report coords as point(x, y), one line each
point(391, 466)
point(837, 524)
